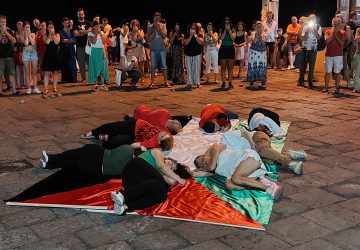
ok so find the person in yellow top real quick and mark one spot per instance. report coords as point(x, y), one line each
point(292, 31)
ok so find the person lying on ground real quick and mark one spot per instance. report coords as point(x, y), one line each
point(242, 168)
point(158, 117)
point(93, 160)
point(131, 131)
point(260, 142)
point(265, 120)
point(215, 117)
point(146, 180)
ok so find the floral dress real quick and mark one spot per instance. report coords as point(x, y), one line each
point(257, 61)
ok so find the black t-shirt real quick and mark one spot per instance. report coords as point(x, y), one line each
point(6, 48)
point(81, 40)
point(193, 48)
point(352, 25)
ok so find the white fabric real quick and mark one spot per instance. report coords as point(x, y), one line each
point(118, 73)
point(259, 119)
point(99, 43)
point(191, 142)
point(234, 140)
point(334, 62)
point(230, 159)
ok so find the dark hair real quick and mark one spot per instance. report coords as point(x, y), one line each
point(352, 14)
point(209, 127)
point(64, 19)
point(167, 143)
point(181, 171)
point(242, 24)
point(196, 28)
point(95, 23)
point(227, 19)
point(156, 13)
point(264, 129)
point(212, 25)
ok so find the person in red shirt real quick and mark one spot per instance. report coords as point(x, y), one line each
point(215, 117)
point(335, 40)
point(158, 117)
point(135, 131)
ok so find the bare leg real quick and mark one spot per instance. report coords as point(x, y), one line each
point(239, 179)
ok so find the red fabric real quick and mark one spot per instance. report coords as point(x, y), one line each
point(147, 134)
point(211, 112)
point(96, 195)
point(40, 44)
point(334, 48)
point(191, 202)
point(156, 117)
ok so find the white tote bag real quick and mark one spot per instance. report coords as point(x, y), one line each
point(88, 48)
point(118, 73)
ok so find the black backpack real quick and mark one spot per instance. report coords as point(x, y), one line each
point(321, 44)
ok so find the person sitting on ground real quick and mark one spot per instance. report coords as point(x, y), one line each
point(265, 120)
point(146, 180)
point(242, 168)
point(129, 67)
point(158, 117)
point(260, 141)
point(215, 117)
point(131, 131)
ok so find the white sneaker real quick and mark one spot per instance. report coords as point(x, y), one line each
point(45, 157)
point(296, 167)
point(42, 164)
point(267, 181)
point(297, 155)
point(275, 191)
point(119, 209)
point(28, 91)
point(117, 197)
point(289, 67)
point(36, 91)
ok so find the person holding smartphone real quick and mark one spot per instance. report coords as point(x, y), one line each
point(130, 67)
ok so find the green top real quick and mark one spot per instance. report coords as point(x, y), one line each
point(114, 161)
point(227, 41)
point(149, 158)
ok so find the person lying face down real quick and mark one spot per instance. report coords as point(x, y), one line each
point(242, 168)
point(137, 131)
point(158, 117)
point(215, 117)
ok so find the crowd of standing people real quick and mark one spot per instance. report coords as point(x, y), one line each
point(33, 54)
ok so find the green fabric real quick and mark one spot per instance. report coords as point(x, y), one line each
point(147, 156)
point(115, 160)
point(227, 41)
point(252, 203)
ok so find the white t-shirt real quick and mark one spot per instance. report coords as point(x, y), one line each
point(234, 140)
point(259, 119)
point(99, 43)
point(229, 159)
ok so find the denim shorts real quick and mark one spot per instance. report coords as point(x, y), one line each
point(156, 56)
point(29, 55)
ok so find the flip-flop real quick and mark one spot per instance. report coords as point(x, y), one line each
point(87, 137)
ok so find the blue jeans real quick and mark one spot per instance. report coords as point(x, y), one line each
point(156, 56)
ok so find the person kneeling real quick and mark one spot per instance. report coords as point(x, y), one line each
point(129, 67)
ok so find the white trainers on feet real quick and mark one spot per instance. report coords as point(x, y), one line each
point(297, 155)
point(296, 167)
point(42, 164)
point(28, 91)
point(119, 209)
point(36, 91)
point(117, 197)
point(275, 191)
point(45, 157)
point(267, 181)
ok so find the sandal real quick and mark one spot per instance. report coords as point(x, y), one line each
point(167, 85)
point(86, 136)
point(356, 91)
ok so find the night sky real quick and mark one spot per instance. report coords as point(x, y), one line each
point(182, 12)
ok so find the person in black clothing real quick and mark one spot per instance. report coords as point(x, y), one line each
point(81, 28)
point(266, 112)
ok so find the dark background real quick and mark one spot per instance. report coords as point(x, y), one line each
point(173, 11)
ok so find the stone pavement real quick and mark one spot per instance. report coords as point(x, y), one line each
point(320, 210)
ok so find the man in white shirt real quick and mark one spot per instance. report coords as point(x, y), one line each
point(269, 28)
